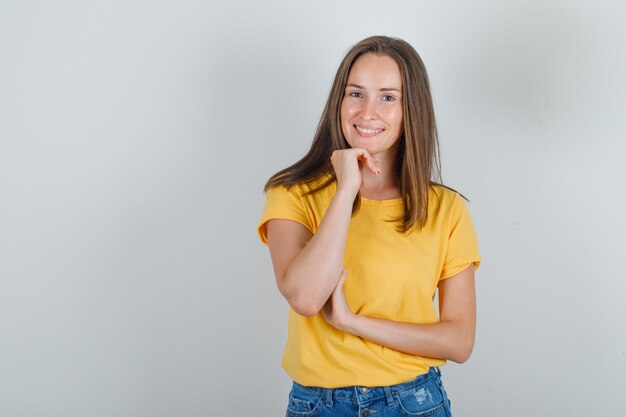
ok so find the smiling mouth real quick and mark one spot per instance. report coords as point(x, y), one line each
point(367, 132)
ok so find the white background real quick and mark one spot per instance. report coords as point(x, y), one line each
point(135, 139)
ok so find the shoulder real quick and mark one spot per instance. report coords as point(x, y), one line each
point(444, 197)
point(447, 205)
point(304, 189)
point(310, 196)
point(298, 202)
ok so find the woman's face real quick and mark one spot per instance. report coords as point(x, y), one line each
point(371, 110)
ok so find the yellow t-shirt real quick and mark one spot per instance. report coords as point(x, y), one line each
point(391, 276)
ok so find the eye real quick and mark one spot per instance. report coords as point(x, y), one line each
point(355, 94)
point(387, 97)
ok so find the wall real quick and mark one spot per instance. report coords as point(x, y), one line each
point(135, 138)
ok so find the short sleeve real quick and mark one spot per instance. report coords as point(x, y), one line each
point(281, 203)
point(462, 248)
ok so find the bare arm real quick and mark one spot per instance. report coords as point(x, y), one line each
point(452, 338)
point(308, 267)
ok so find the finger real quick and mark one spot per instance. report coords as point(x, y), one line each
point(372, 163)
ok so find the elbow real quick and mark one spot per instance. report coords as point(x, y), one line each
point(461, 357)
point(302, 304)
point(305, 306)
point(304, 309)
point(463, 351)
point(304, 298)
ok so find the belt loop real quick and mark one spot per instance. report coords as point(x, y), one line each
point(388, 395)
point(438, 370)
point(328, 395)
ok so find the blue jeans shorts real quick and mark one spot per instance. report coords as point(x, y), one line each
point(423, 396)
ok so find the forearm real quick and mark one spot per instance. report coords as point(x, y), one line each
point(313, 274)
point(451, 340)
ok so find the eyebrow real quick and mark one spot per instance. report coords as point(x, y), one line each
point(363, 88)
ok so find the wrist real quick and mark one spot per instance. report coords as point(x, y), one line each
point(351, 323)
point(346, 194)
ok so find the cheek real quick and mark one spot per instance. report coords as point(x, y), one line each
point(342, 122)
point(346, 112)
point(396, 119)
point(345, 115)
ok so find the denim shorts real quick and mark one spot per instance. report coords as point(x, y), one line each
point(423, 396)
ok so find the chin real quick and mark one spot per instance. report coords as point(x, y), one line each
point(370, 147)
point(359, 143)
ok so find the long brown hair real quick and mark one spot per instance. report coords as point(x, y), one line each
point(418, 150)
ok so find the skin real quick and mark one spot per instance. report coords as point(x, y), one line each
point(309, 268)
point(373, 101)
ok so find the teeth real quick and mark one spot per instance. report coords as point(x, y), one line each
point(368, 131)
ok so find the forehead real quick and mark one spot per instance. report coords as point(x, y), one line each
point(375, 71)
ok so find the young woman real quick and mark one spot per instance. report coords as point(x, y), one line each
point(361, 235)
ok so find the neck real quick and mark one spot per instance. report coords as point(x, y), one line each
point(381, 186)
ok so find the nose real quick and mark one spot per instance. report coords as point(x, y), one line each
point(369, 110)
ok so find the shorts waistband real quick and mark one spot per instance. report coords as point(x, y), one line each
point(364, 394)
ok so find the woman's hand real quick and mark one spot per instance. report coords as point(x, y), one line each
point(336, 310)
point(347, 165)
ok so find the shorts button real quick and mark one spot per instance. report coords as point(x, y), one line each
point(365, 390)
